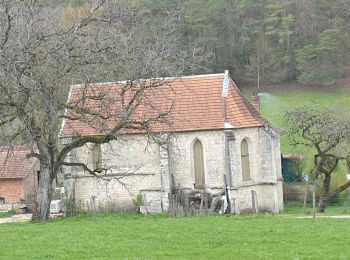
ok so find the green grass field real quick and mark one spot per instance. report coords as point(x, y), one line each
point(6, 214)
point(296, 208)
point(130, 236)
point(275, 100)
point(275, 103)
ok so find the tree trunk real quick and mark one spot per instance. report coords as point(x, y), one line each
point(46, 177)
point(333, 194)
point(325, 197)
point(43, 200)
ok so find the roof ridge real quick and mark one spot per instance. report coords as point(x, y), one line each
point(226, 84)
point(160, 78)
point(253, 111)
point(250, 107)
point(208, 101)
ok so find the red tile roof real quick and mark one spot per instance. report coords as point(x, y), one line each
point(14, 164)
point(196, 102)
point(291, 156)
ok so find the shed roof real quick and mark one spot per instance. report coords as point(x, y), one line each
point(202, 102)
point(291, 156)
point(14, 163)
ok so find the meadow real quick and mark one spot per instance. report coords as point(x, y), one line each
point(131, 236)
point(277, 99)
point(6, 214)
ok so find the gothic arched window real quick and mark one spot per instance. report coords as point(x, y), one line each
point(198, 160)
point(245, 160)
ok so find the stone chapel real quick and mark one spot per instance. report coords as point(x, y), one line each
point(214, 131)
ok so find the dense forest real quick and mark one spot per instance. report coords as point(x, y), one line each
point(273, 41)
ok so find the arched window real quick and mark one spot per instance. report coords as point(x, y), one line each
point(96, 157)
point(245, 160)
point(198, 164)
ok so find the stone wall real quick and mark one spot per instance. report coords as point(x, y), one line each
point(133, 168)
point(138, 164)
point(181, 158)
point(265, 170)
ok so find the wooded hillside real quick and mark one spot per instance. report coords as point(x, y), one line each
point(281, 40)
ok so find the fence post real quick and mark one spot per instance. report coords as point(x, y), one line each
point(93, 208)
point(255, 202)
point(314, 202)
point(170, 208)
point(305, 197)
point(202, 202)
point(145, 202)
point(206, 202)
point(236, 206)
point(226, 194)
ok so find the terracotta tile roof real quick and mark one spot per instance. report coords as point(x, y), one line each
point(291, 156)
point(240, 112)
point(196, 102)
point(14, 164)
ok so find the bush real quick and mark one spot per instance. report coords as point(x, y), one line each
point(138, 201)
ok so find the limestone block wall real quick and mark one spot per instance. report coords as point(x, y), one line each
point(251, 135)
point(265, 170)
point(279, 188)
point(264, 156)
point(114, 195)
point(137, 164)
point(182, 163)
point(242, 198)
point(133, 168)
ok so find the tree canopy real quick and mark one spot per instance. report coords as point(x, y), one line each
point(285, 41)
point(271, 41)
point(46, 46)
point(327, 133)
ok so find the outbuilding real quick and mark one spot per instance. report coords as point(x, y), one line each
point(18, 177)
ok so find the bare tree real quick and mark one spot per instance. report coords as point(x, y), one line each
point(46, 46)
point(326, 132)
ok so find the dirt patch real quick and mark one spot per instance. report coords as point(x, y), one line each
point(17, 218)
point(322, 216)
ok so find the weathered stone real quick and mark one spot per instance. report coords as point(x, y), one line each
point(140, 166)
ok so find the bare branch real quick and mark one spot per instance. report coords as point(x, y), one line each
point(94, 172)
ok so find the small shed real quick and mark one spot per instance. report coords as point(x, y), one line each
point(292, 167)
point(18, 177)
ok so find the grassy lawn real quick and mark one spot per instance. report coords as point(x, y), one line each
point(123, 236)
point(275, 103)
point(7, 214)
point(275, 100)
point(296, 208)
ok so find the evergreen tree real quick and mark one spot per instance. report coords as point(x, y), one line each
point(318, 63)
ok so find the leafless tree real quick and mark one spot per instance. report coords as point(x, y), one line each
point(45, 46)
point(327, 132)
